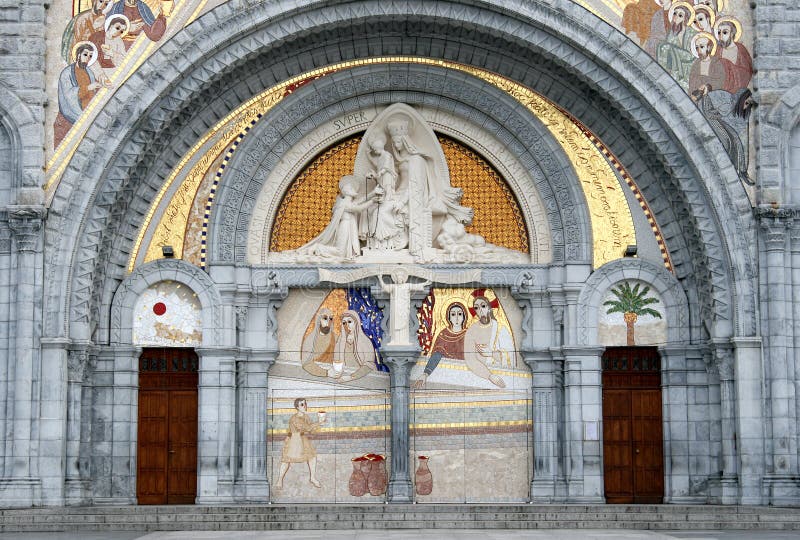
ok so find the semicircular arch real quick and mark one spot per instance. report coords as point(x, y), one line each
point(564, 52)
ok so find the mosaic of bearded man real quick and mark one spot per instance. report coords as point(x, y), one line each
point(83, 25)
point(707, 72)
point(674, 53)
point(734, 56)
point(354, 356)
point(318, 346)
point(486, 342)
point(77, 85)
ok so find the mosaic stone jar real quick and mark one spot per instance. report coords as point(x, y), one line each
point(423, 477)
point(358, 480)
point(377, 480)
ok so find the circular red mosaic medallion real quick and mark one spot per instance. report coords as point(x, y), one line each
point(160, 308)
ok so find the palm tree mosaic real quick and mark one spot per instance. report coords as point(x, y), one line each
point(632, 302)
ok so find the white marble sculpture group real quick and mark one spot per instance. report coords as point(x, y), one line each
point(398, 205)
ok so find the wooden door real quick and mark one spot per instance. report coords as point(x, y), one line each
point(166, 465)
point(633, 453)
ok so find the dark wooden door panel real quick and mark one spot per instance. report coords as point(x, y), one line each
point(167, 432)
point(182, 480)
point(151, 463)
point(633, 455)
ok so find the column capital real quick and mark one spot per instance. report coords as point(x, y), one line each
point(78, 359)
point(775, 222)
point(26, 221)
point(723, 360)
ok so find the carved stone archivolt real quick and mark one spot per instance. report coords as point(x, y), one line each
point(107, 209)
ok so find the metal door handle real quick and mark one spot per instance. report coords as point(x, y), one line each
point(173, 451)
point(637, 450)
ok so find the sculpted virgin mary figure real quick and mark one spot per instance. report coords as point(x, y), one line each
point(399, 205)
point(430, 197)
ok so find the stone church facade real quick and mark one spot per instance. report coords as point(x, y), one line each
point(415, 251)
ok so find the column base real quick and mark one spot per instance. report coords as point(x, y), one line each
point(20, 492)
point(114, 501)
point(590, 499)
point(686, 499)
point(782, 490)
point(729, 490)
point(251, 491)
point(77, 492)
point(548, 491)
point(400, 491)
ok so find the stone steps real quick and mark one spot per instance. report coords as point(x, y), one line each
point(380, 516)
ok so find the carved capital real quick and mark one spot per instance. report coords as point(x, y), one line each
point(558, 315)
point(241, 317)
point(26, 223)
point(723, 361)
point(77, 362)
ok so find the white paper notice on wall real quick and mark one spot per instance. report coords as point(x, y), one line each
point(591, 431)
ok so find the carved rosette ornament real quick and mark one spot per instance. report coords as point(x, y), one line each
point(26, 223)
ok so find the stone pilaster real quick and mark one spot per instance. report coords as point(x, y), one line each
point(548, 484)
point(729, 481)
point(26, 224)
point(252, 372)
point(216, 425)
point(685, 412)
point(77, 488)
point(749, 399)
point(584, 418)
point(781, 483)
point(400, 361)
point(115, 406)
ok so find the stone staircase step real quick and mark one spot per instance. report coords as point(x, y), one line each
point(407, 516)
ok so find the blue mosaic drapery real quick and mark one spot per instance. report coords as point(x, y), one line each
point(360, 300)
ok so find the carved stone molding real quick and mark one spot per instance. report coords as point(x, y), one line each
point(26, 224)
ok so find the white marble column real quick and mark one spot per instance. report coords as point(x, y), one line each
point(114, 424)
point(216, 425)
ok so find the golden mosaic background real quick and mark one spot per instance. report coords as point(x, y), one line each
point(306, 207)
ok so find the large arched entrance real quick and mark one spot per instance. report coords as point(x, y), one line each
point(548, 81)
